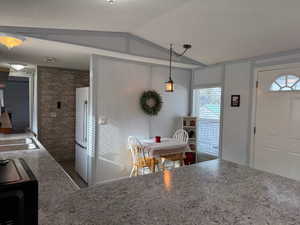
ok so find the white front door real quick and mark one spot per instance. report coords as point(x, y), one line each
point(277, 139)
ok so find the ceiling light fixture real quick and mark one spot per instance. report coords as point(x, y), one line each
point(111, 1)
point(11, 40)
point(169, 85)
point(50, 60)
point(17, 67)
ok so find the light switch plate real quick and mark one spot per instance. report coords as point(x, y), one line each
point(102, 120)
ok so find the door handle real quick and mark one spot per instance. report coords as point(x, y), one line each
point(85, 122)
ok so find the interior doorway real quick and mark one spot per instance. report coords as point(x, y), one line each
point(16, 103)
point(277, 137)
point(207, 104)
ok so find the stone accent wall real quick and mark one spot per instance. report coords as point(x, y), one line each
point(56, 127)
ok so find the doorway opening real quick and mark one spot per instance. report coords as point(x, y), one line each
point(16, 103)
point(207, 108)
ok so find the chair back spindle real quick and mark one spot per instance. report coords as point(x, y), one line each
point(136, 148)
point(140, 156)
point(181, 135)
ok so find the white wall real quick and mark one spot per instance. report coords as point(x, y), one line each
point(209, 76)
point(236, 120)
point(236, 80)
point(175, 104)
point(119, 85)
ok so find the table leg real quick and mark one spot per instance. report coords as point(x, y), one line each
point(153, 165)
point(181, 162)
point(163, 160)
point(182, 159)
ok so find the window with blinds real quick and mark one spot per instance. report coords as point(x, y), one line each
point(207, 108)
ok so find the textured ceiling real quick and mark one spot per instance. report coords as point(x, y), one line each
point(219, 30)
point(36, 51)
point(124, 15)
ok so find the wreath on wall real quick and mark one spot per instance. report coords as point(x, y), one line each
point(151, 102)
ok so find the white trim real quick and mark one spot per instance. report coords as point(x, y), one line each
point(30, 77)
point(205, 86)
point(254, 101)
point(93, 125)
point(212, 85)
point(140, 59)
point(278, 67)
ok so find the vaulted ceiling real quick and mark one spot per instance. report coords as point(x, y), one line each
point(219, 30)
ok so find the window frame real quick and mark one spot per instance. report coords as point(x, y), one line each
point(281, 88)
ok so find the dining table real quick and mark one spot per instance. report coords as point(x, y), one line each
point(166, 146)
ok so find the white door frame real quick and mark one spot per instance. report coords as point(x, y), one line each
point(220, 85)
point(254, 101)
point(30, 76)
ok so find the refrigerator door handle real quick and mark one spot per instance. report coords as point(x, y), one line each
point(85, 122)
point(80, 145)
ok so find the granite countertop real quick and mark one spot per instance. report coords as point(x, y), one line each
point(208, 193)
point(54, 183)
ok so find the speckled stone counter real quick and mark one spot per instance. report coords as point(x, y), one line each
point(208, 193)
point(54, 183)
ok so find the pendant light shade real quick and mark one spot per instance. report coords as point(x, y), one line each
point(11, 41)
point(169, 86)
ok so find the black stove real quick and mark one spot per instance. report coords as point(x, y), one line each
point(18, 194)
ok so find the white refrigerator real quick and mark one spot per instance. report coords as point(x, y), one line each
point(81, 152)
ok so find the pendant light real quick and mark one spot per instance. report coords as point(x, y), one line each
point(11, 40)
point(169, 85)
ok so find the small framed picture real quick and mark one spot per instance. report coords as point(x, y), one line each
point(235, 100)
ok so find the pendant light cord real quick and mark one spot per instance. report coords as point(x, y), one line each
point(171, 53)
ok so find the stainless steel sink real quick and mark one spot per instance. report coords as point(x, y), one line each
point(17, 144)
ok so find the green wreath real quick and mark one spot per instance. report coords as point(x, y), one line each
point(151, 102)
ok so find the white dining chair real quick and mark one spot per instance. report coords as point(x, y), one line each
point(140, 158)
point(183, 137)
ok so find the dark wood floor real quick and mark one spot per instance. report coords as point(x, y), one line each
point(205, 157)
point(69, 167)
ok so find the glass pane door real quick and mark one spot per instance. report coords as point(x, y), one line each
point(207, 108)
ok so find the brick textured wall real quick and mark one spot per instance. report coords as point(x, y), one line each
point(56, 127)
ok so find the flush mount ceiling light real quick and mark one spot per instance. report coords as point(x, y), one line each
point(50, 60)
point(111, 1)
point(169, 85)
point(17, 67)
point(11, 40)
